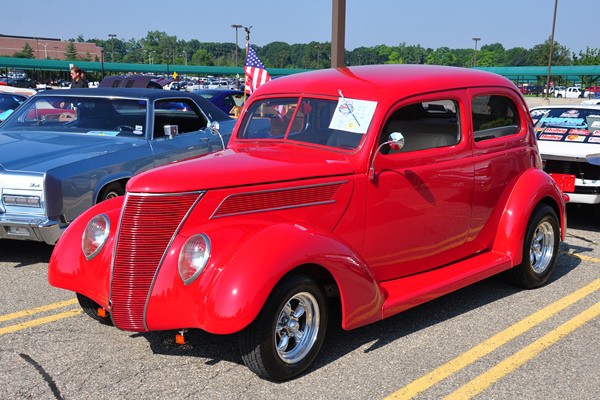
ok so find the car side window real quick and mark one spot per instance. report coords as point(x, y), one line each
point(494, 116)
point(423, 125)
point(177, 116)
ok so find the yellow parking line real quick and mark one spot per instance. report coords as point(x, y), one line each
point(47, 307)
point(586, 258)
point(500, 370)
point(470, 356)
point(39, 321)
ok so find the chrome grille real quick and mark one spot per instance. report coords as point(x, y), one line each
point(147, 226)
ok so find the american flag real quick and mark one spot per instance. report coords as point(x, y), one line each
point(255, 71)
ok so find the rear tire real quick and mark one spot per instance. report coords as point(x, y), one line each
point(540, 249)
point(288, 333)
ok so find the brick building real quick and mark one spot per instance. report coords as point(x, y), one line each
point(46, 48)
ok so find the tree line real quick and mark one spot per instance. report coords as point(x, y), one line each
point(160, 48)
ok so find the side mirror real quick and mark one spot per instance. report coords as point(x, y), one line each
point(395, 141)
point(214, 128)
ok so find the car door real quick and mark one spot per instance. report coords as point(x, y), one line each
point(419, 212)
point(180, 131)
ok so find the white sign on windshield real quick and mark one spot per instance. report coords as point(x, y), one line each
point(353, 115)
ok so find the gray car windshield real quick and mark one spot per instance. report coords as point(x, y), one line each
point(83, 115)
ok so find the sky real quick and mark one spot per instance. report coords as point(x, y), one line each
point(430, 23)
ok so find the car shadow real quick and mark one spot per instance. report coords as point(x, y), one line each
point(338, 343)
point(23, 253)
point(581, 216)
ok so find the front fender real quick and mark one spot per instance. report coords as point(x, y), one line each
point(532, 188)
point(229, 295)
point(68, 267)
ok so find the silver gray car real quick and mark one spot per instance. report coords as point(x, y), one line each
point(63, 151)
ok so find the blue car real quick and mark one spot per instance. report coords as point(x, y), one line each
point(225, 99)
point(63, 151)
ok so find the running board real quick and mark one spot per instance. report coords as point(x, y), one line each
point(413, 290)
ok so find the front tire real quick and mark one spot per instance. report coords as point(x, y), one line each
point(114, 189)
point(288, 333)
point(90, 307)
point(540, 249)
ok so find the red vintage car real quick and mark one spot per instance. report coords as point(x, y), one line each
point(367, 189)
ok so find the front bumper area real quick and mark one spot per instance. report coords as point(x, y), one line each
point(30, 228)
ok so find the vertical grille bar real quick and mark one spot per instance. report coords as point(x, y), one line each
point(147, 226)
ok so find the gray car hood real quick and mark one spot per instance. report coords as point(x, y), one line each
point(43, 151)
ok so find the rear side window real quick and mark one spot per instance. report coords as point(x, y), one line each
point(424, 125)
point(494, 116)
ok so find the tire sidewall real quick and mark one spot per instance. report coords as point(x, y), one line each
point(274, 368)
point(525, 274)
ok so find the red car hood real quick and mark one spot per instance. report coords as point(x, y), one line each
point(239, 168)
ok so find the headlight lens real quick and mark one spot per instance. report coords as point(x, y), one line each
point(193, 257)
point(95, 236)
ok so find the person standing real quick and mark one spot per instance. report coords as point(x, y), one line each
point(78, 78)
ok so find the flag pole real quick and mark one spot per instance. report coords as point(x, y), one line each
point(247, 29)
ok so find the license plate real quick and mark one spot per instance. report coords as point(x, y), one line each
point(565, 182)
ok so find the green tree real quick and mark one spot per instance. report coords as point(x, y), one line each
point(26, 52)
point(540, 52)
point(589, 57)
point(71, 52)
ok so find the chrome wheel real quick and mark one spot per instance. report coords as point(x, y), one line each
point(297, 328)
point(542, 247)
point(288, 333)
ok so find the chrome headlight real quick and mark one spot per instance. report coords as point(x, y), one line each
point(95, 236)
point(193, 257)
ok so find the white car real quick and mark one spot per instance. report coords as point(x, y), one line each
point(569, 142)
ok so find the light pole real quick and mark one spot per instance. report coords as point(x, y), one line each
point(475, 39)
point(45, 50)
point(185, 55)
point(551, 50)
point(236, 27)
point(112, 39)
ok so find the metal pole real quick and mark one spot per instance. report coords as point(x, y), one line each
point(112, 38)
point(551, 50)
point(476, 39)
point(338, 33)
point(236, 26)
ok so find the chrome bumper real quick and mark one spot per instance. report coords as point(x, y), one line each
point(31, 228)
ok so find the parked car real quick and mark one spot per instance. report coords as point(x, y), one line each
point(9, 103)
point(66, 150)
point(572, 92)
point(225, 99)
point(593, 98)
point(368, 190)
point(591, 92)
point(134, 81)
point(569, 142)
point(22, 83)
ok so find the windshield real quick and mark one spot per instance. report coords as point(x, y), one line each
point(84, 115)
point(567, 124)
point(297, 119)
